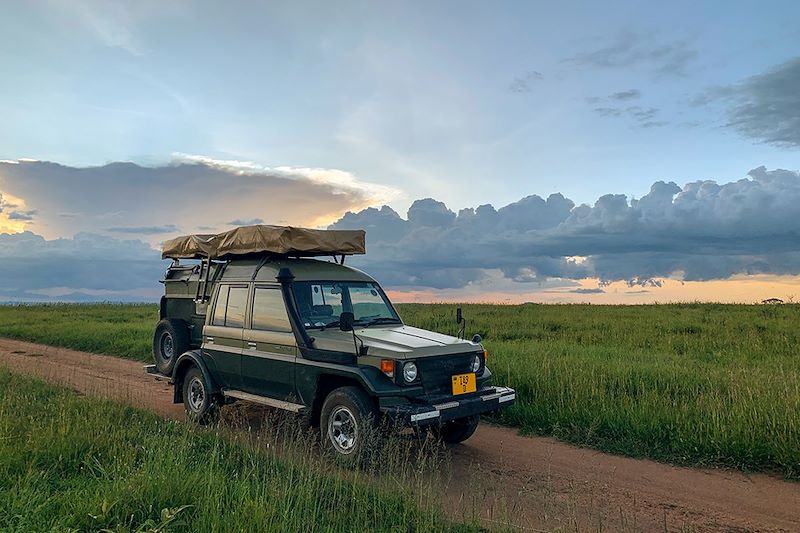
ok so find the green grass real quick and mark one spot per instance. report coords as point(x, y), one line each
point(71, 463)
point(696, 384)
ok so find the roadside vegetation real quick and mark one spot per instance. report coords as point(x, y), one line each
point(693, 384)
point(72, 463)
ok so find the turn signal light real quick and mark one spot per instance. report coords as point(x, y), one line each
point(485, 356)
point(387, 367)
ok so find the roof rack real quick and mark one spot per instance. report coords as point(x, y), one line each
point(264, 239)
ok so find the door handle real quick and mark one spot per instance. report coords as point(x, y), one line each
point(251, 345)
point(210, 340)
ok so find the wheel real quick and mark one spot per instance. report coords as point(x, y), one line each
point(457, 430)
point(170, 340)
point(201, 406)
point(346, 422)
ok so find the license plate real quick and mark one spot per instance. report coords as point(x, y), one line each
point(463, 383)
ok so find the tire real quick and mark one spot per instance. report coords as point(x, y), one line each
point(170, 340)
point(347, 424)
point(201, 406)
point(457, 430)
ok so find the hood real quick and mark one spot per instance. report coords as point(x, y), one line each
point(397, 342)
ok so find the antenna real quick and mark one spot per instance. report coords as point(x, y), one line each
point(461, 321)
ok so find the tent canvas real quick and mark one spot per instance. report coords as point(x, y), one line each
point(259, 239)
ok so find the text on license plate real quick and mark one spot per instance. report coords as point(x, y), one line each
point(463, 383)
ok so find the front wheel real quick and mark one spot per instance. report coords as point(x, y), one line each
point(201, 406)
point(457, 430)
point(346, 423)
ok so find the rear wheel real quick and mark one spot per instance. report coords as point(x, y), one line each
point(170, 340)
point(457, 430)
point(347, 422)
point(201, 406)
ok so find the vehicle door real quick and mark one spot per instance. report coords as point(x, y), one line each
point(270, 350)
point(223, 333)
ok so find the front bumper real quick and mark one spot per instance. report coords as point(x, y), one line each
point(485, 400)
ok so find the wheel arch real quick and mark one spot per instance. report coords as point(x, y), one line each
point(187, 360)
point(329, 382)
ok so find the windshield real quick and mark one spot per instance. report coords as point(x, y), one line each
point(321, 302)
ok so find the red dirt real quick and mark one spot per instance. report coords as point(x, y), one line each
point(501, 477)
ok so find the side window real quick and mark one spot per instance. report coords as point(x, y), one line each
point(237, 303)
point(269, 312)
point(222, 304)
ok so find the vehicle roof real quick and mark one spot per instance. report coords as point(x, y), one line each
point(302, 269)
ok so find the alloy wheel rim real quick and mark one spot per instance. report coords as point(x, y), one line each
point(197, 394)
point(343, 429)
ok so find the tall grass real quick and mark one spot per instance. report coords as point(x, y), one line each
point(699, 384)
point(71, 463)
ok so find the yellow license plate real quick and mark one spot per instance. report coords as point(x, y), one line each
point(463, 383)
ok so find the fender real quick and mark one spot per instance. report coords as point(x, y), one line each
point(186, 360)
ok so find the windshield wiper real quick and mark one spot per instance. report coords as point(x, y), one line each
point(380, 320)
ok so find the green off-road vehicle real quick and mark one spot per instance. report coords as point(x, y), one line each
point(259, 319)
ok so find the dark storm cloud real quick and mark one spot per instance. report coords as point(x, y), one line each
point(632, 49)
point(125, 197)
point(85, 267)
point(701, 231)
point(764, 108)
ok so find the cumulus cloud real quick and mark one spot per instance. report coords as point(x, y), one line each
point(701, 231)
point(154, 202)
point(85, 267)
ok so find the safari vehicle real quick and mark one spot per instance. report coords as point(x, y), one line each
point(262, 318)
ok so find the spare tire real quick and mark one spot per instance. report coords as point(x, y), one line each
point(170, 340)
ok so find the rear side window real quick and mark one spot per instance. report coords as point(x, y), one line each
point(230, 308)
point(237, 303)
point(219, 309)
point(269, 312)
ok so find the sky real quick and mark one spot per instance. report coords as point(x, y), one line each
point(525, 151)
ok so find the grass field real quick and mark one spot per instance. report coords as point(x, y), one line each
point(72, 463)
point(698, 384)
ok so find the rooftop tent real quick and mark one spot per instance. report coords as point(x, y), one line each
point(260, 239)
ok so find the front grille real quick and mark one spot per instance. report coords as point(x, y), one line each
point(436, 372)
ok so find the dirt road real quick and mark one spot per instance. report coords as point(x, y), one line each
point(506, 479)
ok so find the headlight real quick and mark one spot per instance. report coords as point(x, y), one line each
point(476, 362)
point(409, 372)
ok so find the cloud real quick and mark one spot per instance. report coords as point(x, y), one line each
point(643, 117)
point(630, 49)
point(524, 84)
point(85, 267)
point(125, 197)
point(245, 222)
point(631, 94)
point(703, 230)
point(583, 290)
point(145, 230)
point(22, 215)
point(764, 108)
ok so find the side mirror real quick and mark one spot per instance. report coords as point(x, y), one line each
point(346, 320)
point(459, 315)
